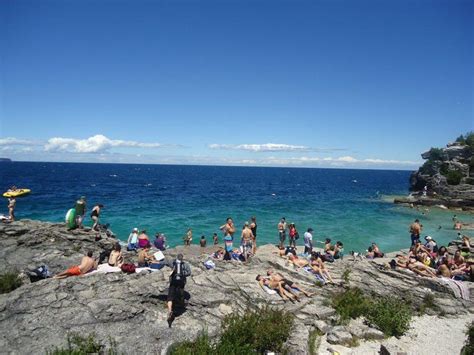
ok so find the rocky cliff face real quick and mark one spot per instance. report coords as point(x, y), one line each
point(448, 174)
point(131, 309)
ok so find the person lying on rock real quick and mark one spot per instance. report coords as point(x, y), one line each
point(318, 267)
point(287, 284)
point(277, 286)
point(296, 261)
point(88, 263)
point(415, 266)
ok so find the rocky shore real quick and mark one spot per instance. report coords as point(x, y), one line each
point(131, 309)
point(447, 175)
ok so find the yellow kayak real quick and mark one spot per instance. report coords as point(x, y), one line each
point(17, 193)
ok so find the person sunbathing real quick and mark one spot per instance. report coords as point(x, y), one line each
point(318, 267)
point(277, 286)
point(296, 261)
point(287, 284)
point(144, 258)
point(413, 265)
point(87, 264)
point(458, 260)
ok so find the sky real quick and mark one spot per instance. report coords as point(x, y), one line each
point(351, 84)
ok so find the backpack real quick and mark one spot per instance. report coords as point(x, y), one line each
point(40, 273)
point(128, 268)
point(184, 272)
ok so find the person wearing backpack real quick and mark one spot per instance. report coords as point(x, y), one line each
point(181, 271)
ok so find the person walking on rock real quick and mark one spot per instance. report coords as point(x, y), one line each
point(181, 271)
point(95, 215)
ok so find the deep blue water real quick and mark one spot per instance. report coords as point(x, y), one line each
point(171, 198)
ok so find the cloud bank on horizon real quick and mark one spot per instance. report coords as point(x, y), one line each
point(99, 148)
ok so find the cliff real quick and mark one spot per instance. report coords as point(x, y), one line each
point(448, 174)
point(130, 308)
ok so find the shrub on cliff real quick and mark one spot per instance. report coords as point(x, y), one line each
point(454, 177)
point(254, 332)
point(9, 281)
point(468, 348)
point(83, 345)
point(391, 315)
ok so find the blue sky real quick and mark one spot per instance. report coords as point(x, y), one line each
point(363, 84)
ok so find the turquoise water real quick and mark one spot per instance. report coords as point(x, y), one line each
point(348, 205)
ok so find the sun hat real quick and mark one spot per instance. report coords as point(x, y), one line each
point(428, 238)
point(135, 229)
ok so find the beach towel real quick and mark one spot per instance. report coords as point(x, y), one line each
point(459, 289)
point(159, 255)
point(269, 290)
point(209, 264)
point(319, 278)
point(104, 269)
point(144, 269)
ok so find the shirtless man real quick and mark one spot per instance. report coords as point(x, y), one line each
point(144, 258)
point(415, 231)
point(293, 259)
point(229, 230)
point(277, 286)
point(282, 231)
point(11, 208)
point(287, 284)
point(247, 240)
point(87, 264)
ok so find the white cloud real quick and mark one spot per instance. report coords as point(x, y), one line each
point(95, 144)
point(267, 147)
point(9, 141)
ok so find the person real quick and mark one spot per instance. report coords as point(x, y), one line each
point(415, 230)
point(327, 245)
point(202, 242)
point(116, 256)
point(370, 253)
point(144, 258)
point(215, 238)
point(160, 241)
point(458, 260)
point(95, 215)
point(188, 238)
point(287, 284)
point(298, 262)
point(318, 267)
point(425, 191)
point(132, 242)
point(336, 252)
point(143, 240)
point(431, 245)
point(308, 241)
point(377, 252)
point(247, 239)
point(229, 230)
point(178, 275)
point(11, 209)
point(80, 211)
point(253, 228)
point(282, 231)
point(277, 286)
point(457, 225)
point(292, 233)
point(465, 245)
point(87, 264)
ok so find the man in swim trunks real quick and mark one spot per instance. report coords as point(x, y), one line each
point(287, 284)
point(415, 231)
point(282, 231)
point(87, 264)
point(247, 239)
point(277, 286)
point(229, 230)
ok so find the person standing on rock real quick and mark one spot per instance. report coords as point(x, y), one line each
point(80, 211)
point(181, 271)
point(229, 230)
point(308, 241)
point(253, 228)
point(282, 231)
point(95, 215)
point(11, 209)
point(247, 239)
point(415, 231)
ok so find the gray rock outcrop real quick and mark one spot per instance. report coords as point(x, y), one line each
point(131, 308)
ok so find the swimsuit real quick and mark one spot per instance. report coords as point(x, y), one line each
point(74, 271)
